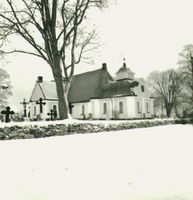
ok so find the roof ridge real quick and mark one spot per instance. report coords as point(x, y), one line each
point(88, 72)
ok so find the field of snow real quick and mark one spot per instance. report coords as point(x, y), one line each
point(153, 163)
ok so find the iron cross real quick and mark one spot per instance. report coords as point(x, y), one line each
point(53, 114)
point(41, 103)
point(7, 113)
point(24, 103)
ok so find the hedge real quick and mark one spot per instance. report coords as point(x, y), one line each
point(40, 131)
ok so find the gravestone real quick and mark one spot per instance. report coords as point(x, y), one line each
point(41, 103)
point(7, 114)
point(52, 114)
point(24, 103)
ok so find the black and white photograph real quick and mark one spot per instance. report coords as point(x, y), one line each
point(96, 100)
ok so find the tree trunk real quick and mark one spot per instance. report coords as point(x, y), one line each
point(66, 90)
point(176, 110)
point(62, 96)
point(168, 110)
point(62, 99)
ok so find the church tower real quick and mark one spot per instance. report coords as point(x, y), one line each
point(124, 73)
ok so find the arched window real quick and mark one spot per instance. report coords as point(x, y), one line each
point(121, 107)
point(54, 108)
point(147, 107)
point(105, 108)
point(83, 110)
point(138, 107)
point(142, 88)
point(35, 110)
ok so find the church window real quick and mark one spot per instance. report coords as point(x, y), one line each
point(121, 107)
point(105, 108)
point(83, 110)
point(147, 107)
point(142, 88)
point(35, 110)
point(54, 108)
point(138, 107)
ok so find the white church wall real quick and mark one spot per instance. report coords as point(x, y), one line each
point(146, 108)
point(142, 89)
point(120, 111)
point(95, 108)
point(35, 109)
point(131, 110)
point(114, 109)
point(81, 110)
point(105, 113)
point(47, 108)
point(152, 106)
point(138, 107)
point(143, 107)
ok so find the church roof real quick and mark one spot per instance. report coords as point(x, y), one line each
point(90, 85)
point(49, 89)
point(44, 90)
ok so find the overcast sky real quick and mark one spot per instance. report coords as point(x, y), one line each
point(149, 34)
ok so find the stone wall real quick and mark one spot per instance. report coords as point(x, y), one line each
point(38, 131)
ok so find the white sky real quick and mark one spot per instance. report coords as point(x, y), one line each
point(148, 33)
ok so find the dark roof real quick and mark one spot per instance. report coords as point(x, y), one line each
point(88, 85)
point(98, 84)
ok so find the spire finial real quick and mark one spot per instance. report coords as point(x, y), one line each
point(124, 63)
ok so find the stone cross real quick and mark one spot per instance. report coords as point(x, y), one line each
point(53, 114)
point(24, 103)
point(7, 113)
point(41, 103)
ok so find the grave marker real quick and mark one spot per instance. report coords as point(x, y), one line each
point(24, 103)
point(52, 114)
point(41, 103)
point(7, 113)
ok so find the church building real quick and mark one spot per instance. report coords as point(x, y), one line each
point(95, 95)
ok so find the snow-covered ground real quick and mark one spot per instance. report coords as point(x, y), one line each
point(152, 163)
point(71, 121)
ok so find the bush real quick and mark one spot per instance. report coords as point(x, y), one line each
point(184, 121)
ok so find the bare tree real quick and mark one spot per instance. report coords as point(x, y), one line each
point(166, 88)
point(185, 63)
point(55, 29)
point(5, 86)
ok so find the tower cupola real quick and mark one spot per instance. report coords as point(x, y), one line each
point(124, 73)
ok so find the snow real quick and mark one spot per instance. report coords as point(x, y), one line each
point(152, 163)
point(71, 121)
